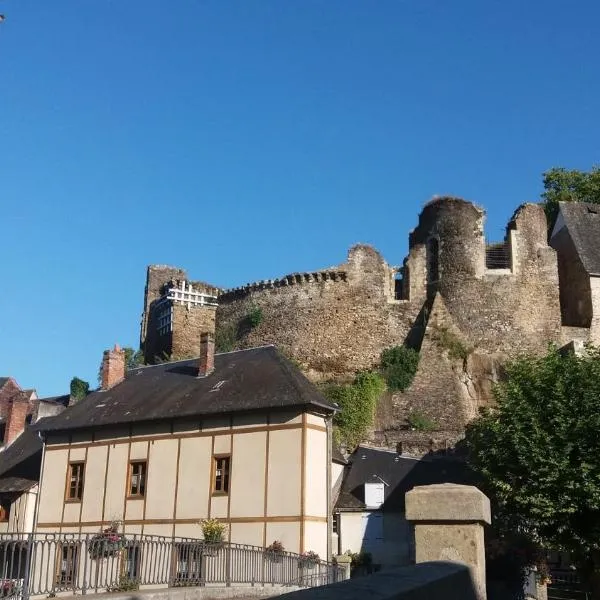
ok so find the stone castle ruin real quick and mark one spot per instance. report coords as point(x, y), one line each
point(464, 305)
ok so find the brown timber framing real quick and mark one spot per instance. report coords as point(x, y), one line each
point(303, 481)
point(266, 482)
point(283, 519)
point(231, 431)
point(212, 432)
point(176, 486)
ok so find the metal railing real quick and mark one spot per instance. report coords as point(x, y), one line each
point(48, 564)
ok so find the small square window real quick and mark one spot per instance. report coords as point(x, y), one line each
point(137, 478)
point(221, 469)
point(75, 481)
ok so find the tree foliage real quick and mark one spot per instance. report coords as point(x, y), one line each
point(357, 403)
point(538, 452)
point(399, 365)
point(78, 388)
point(133, 359)
point(563, 185)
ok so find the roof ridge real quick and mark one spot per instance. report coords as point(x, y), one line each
point(172, 362)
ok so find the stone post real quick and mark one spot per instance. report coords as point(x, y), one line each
point(448, 521)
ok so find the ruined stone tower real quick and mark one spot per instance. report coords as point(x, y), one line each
point(176, 312)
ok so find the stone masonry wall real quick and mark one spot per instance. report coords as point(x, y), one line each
point(332, 322)
point(337, 321)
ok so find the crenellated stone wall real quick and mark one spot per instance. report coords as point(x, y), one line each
point(337, 321)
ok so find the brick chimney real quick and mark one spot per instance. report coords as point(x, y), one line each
point(16, 417)
point(207, 354)
point(113, 367)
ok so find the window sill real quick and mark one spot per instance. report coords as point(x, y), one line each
point(135, 497)
point(220, 494)
point(72, 500)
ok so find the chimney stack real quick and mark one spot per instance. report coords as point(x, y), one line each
point(16, 418)
point(113, 367)
point(207, 354)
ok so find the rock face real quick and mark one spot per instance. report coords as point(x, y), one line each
point(465, 306)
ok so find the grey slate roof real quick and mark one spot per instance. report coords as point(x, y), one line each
point(399, 472)
point(247, 380)
point(64, 399)
point(582, 221)
point(12, 485)
point(20, 462)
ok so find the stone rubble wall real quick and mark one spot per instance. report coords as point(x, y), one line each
point(337, 321)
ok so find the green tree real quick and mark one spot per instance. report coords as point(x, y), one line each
point(538, 452)
point(563, 185)
point(78, 389)
point(133, 359)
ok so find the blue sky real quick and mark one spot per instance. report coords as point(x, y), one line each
point(246, 139)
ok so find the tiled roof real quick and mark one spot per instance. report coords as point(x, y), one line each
point(582, 221)
point(400, 473)
point(247, 380)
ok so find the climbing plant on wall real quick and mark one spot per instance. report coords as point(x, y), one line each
point(357, 403)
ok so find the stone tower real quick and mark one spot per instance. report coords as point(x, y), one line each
point(176, 312)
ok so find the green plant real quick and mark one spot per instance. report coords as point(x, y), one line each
point(563, 185)
point(276, 546)
point(420, 421)
point(537, 453)
point(357, 403)
point(226, 338)
point(449, 341)
point(399, 366)
point(79, 388)
point(361, 559)
point(308, 559)
point(126, 584)
point(255, 316)
point(213, 531)
point(109, 542)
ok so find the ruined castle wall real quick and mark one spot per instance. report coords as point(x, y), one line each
point(508, 311)
point(332, 322)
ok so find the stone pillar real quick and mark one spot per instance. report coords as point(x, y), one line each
point(448, 521)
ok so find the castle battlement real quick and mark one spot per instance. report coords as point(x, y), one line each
point(338, 275)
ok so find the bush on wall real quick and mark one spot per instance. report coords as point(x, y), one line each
point(399, 365)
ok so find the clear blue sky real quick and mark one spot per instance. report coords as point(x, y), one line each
point(246, 139)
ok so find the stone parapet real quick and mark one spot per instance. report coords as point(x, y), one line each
point(287, 280)
point(448, 520)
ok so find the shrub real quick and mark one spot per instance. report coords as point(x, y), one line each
point(226, 338)
point(255, 316)
point(79, 388)
point(420, 421)
point(399, 365)
point(213, 531)
point(276, 546)
point(357, 403)
point(452, 343)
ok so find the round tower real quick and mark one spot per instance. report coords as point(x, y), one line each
point(451, 232)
